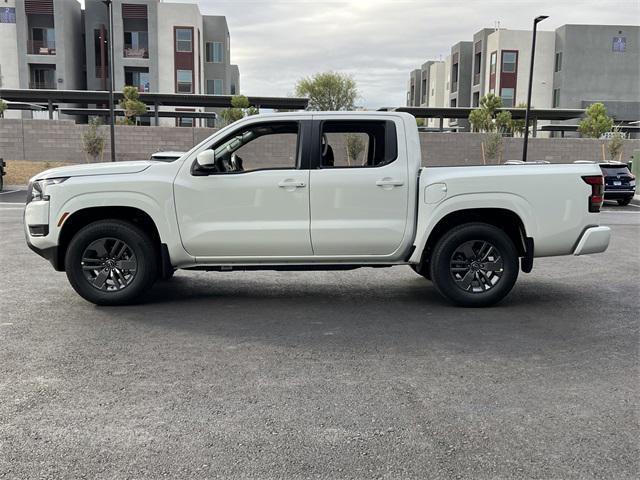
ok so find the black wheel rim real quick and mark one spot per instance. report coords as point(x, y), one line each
point(476, 266)
point(109, 264)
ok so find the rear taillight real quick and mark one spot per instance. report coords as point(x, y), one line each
point(597, 191)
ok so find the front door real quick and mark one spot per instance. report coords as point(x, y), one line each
point(359, 190)
point(256, 201)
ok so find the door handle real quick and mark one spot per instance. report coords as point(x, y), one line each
point(389, 182)
point(291, 184)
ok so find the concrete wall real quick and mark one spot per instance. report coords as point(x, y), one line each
point(50, 140)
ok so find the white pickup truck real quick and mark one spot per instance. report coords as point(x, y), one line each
point(311, 191)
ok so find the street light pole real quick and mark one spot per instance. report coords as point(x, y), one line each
point(112, 119)
point(525, 145)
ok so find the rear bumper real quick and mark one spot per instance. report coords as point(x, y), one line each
point(618, 194)
point(593, 240)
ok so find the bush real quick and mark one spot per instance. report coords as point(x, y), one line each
point(93, 141)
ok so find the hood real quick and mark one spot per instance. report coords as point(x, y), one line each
point(106, 168)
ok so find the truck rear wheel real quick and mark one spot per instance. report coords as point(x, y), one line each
point(111, 262)
point(474, 265)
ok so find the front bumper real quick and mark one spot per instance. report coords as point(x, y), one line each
point(50, 254)
point(593, 240)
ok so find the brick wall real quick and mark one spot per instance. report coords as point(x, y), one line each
point(61, 140)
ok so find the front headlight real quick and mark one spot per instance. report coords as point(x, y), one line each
point(37, 189)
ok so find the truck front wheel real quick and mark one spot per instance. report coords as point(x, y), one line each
point(111, 262)
point(474, 265)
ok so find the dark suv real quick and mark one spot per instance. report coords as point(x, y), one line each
point(619, 183)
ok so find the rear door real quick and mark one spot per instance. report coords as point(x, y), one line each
point(359, 186)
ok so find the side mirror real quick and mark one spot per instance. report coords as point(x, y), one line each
point(206, 159)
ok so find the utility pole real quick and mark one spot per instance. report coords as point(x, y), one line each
point(112, 119)
point(525, 145)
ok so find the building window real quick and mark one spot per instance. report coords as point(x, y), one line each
point(454, 77)
point(453, 102)
point(184, 79)
point(476, 99)
point(233, 89)
point(477, 63)
point(42, 76)
point(507, 94)
point(556, 97)
point(184, 40)
point(137, 77)
point(215, 87)
point(136, 44)
point(214, 52)
point(509, 62)
point(619, 44)
point(185, 121)
point(494, 60)
point(558, 64)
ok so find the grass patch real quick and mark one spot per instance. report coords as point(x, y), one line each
point(20, 171)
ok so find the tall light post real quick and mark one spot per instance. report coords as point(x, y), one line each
point(536, 21)
point(112, 119)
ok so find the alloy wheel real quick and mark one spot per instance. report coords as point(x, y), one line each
point(109, 264)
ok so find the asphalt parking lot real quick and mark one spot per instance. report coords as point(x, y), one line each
point(362, 374)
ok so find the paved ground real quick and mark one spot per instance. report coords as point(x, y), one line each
point(363, 374)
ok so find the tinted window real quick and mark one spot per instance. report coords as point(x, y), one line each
point(612, 171)
point(358, 144)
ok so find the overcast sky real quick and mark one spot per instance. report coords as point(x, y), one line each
point(276, 42)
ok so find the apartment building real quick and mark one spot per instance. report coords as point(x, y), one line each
point(597, 63)
point(160, 47)
point(39, 45)
point(575, 65)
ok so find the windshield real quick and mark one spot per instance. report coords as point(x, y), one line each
point(614, 171)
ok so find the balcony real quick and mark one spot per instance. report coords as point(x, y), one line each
point(41, 47)
point(42, 85)
point(135, 52)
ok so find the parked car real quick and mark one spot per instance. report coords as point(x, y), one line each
point(166, 156)
point(280, 192)
point(619, 182)
point(3, 172)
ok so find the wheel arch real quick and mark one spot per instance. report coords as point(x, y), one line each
point(80, 218)
point(505, 219)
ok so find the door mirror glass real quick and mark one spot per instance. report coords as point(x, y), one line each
point(206, 159)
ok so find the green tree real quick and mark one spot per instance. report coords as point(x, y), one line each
point(503, 122)
point(354, 146)
point(480, 120)
point(240, 108)
point(597, 122)
point(517, 126)
point(490, 103)
point(92, 140)
point(328, 91)
point(131, 105)
point(3, 107)
point(486, 118)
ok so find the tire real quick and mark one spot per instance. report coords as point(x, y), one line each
point(122, 273)
point(625, 201)
point(462, 260)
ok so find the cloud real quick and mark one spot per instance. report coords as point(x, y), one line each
point(277, 42)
